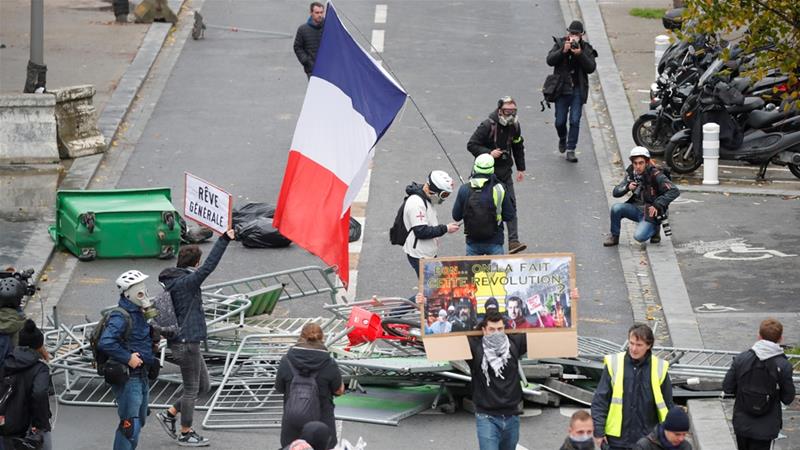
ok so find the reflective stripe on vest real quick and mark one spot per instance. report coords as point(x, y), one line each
point(498, 194)
point(616, 369)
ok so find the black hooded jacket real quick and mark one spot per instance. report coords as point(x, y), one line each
point(306, 359)
point(491, 135)
point(34, 376)
point(572, 67)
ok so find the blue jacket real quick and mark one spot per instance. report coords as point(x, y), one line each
point(461, 201)
point(183, 285)
point(111, 341)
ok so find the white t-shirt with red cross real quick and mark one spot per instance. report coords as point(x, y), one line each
point(419, 212)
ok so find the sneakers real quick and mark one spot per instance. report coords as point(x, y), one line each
point(192, 439)
point(562, 146)
point(655, 239)
point(611, 241)
point(167, 423)
point(571, 156)
point(516, 247)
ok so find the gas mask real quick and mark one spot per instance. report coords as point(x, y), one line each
point(137, 294)
point(507, 120)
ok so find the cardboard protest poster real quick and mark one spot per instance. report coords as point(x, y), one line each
point(207, 204)
point(531, 291)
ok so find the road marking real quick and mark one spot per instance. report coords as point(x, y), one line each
point(380, 13)
point(742, 248)
point(714, 308)
point(377, 40)
point(684, 201)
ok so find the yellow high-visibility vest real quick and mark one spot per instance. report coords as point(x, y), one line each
point(616, 368)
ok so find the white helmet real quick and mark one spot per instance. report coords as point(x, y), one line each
point(129, 278)
point(440, 181)
point(639, 151)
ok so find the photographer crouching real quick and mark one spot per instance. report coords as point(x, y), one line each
point(652, 192)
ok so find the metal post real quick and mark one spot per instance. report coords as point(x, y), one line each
point(711, 153)
point(662, 43)
point(36, 69)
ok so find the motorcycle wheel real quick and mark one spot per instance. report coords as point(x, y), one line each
point(795, 169)
point(643, 130)
point(680, 157)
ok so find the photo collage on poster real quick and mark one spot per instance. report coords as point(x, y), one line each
point(531, 292)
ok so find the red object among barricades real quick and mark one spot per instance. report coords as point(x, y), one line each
point(366, 326)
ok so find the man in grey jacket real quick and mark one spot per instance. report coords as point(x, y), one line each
point(757, 415)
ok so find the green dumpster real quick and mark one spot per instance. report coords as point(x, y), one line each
point(120, 223)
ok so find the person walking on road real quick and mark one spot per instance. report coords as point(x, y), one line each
point(580, 432)
point(131, 347)
point(28, 407)
point(483, 204)
point(496, 383)
point(651, 193)
point(634, 393)
point(761, 379)
point(501, 137)
point(183, 284)
point(572, 58)
point(308, 37)
point(420, 219)
point(306, 363)
point(670, 435)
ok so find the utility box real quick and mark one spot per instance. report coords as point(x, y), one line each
point(124, 223)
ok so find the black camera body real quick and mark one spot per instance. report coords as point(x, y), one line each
point(574, 45)
point(23, 277)
point(663, 218)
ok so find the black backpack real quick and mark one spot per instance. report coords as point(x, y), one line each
point(302, 398)
point(758, 387)
point(14, 417)
point(100, 357)
point(480, 222)
point(398, 233)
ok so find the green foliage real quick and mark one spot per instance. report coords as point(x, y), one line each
point(647, 13)
point(769, 28)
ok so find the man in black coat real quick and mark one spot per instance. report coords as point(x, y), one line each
point(756, 432)
point(501, 137)
point(573, 59)
point(308, 37)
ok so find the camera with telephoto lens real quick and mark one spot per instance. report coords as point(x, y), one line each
point(638, 180)
point(23, 277)
point(664, 219)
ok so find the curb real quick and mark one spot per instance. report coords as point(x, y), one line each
point(740, 190)
point(39, 250)
point(705, 415)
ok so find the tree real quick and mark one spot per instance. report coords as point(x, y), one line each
point(769, 28)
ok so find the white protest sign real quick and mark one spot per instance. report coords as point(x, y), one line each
point(207, 204)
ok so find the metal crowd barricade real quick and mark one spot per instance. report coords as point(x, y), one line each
point(297, 283)
point(246, 398)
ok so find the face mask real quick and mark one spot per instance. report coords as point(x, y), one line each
point(506, 120)
point(137, 294)
point(582, 442)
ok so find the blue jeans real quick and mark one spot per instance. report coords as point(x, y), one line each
point(572, 106)
point(497, 432)
point(132, 409)
point(644, 231)
point(475, 249)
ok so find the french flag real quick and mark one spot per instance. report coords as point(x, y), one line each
point(350, 103)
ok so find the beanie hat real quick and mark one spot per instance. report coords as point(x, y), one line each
point(677, 420)
point(575, 27)
point(30, 336)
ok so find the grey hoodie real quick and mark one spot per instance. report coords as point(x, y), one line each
point(767, 349)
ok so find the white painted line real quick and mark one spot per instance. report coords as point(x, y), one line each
point(377, 40)
point(380, 13)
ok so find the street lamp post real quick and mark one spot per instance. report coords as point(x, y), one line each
point(37, 70)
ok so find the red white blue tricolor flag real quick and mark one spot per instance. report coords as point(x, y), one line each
point(350, 103)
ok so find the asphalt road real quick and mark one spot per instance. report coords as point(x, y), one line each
point(228, 114)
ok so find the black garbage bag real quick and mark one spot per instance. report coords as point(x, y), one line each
point(260, 233)
point(251, 212)
point(355, 230)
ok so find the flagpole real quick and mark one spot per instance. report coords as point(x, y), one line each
point(413, 102)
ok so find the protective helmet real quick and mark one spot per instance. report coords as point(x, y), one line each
point(440, 181)
point(484, 164)
point(639, 151)
point(11, 292)
point(129, 278)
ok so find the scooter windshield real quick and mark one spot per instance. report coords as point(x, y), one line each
point(712, 69)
